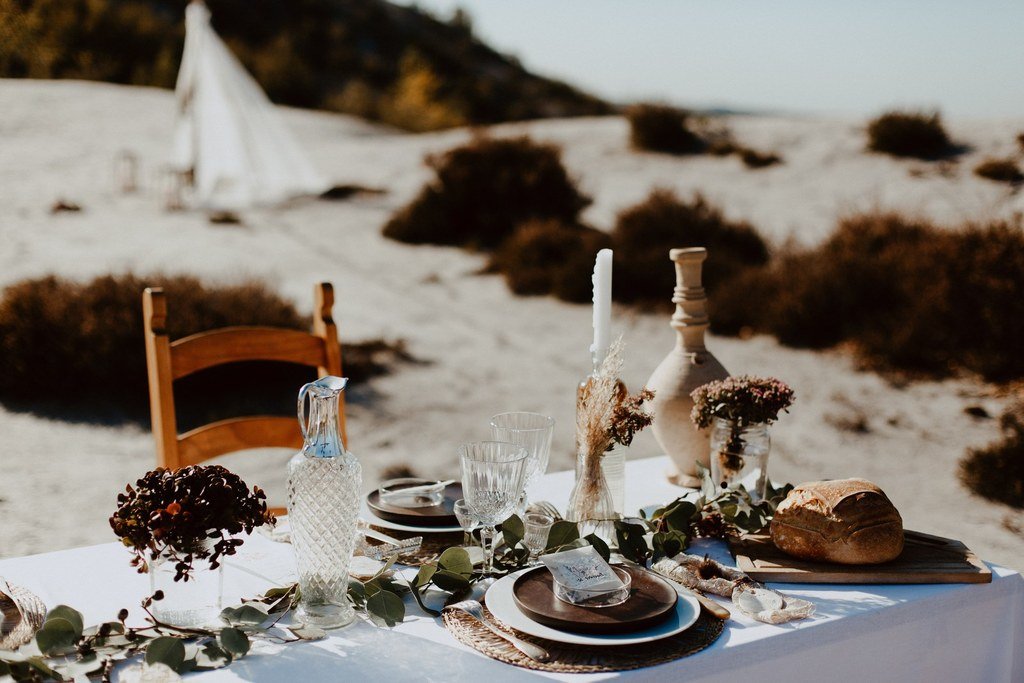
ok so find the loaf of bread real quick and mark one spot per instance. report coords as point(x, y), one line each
point(847, 521)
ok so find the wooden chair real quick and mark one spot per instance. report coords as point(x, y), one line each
point(171, 360)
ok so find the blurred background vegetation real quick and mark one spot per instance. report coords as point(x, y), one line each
point(370, 58)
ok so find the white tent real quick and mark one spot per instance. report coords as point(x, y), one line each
point(228, 135)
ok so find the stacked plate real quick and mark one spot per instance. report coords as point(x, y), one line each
point(437, 518)
point(655, 609)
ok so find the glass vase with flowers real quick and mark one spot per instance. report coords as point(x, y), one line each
point(739, 410)
point(179, 525)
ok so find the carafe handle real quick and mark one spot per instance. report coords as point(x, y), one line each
point(303, 424)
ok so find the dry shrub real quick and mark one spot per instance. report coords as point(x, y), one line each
point(909, 134)
point(550, 257)
point(996, 472)
point(753, 159)
point(661, 128)
point(908, 294)
point(1020, 141)
point(644, 234)
point(486, 188)
point(1000, 170)
point(75, 350)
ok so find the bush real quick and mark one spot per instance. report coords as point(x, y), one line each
point(76, 350)
point(996, 472)
point(644, 234)
point(660, 128)
point(753, 159)
point(549, 257)
point(909, 134)
point(486, 188)
point(1000, 170)
point(908, 294)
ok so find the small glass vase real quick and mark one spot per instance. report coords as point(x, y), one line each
point(195, 602)
point(739, 456)
point(613, 466)
point(591, 504)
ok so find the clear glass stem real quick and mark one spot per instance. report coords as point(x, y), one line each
point(487, 541)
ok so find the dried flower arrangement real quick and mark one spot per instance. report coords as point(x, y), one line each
point(745, 400)
point(186, 515)
point(605, 415)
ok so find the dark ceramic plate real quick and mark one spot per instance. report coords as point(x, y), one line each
point(651, 601)
point(434, 515)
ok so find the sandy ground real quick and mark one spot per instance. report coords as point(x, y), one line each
point(484, 350)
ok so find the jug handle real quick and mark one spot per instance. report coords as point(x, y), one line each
point(303, 425)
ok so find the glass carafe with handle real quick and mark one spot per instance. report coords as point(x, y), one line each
point(324, 483)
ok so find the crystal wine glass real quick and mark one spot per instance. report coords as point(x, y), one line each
point(467, 520)
point(493, 473)
point(533, 432)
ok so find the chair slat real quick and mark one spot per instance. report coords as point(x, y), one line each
point(235, 434)
point(208, 349)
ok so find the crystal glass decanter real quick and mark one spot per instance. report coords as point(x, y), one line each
point(324, 481)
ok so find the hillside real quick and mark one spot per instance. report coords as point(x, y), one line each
point(365, 57)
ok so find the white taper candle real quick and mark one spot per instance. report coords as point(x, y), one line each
point(602, 280)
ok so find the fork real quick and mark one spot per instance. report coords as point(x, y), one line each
point(476, 610)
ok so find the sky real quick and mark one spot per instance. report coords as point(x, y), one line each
point(963, 57)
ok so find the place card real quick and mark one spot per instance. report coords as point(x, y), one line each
point(582, 569)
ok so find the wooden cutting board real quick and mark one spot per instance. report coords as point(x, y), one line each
point(925, 559)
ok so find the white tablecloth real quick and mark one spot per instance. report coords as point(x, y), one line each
point(859, 633)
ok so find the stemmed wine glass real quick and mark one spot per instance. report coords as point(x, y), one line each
point(533, 432)
point(493, 473)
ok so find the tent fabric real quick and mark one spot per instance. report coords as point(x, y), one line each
point(228, 134)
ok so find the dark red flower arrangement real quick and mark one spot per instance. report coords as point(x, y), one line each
point(186, 515)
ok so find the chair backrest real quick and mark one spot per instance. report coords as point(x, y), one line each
point(171, 360)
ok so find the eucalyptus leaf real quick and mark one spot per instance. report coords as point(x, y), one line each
point(414, 588)
point(424, 575)
point(233, 641)
point(669, 543)
point(72, 616)
point(680, 515)
point(82, 667)
point(57, 636)
point(513, 531)
point(386, 606)
point(244, 615)
point(456, 561)
point(562, 532)
point(166, 650)
point(599, 545)
point(631, 541)
point(306, 632)
point(448, 581)
point(212, 656)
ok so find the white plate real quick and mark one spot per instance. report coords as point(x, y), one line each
point(503, 606)
point(367, 515)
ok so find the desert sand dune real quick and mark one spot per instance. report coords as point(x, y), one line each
point(484, 350)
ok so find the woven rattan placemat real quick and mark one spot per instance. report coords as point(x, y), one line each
point(578, 659)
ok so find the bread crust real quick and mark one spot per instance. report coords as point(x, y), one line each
point(846, 521)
